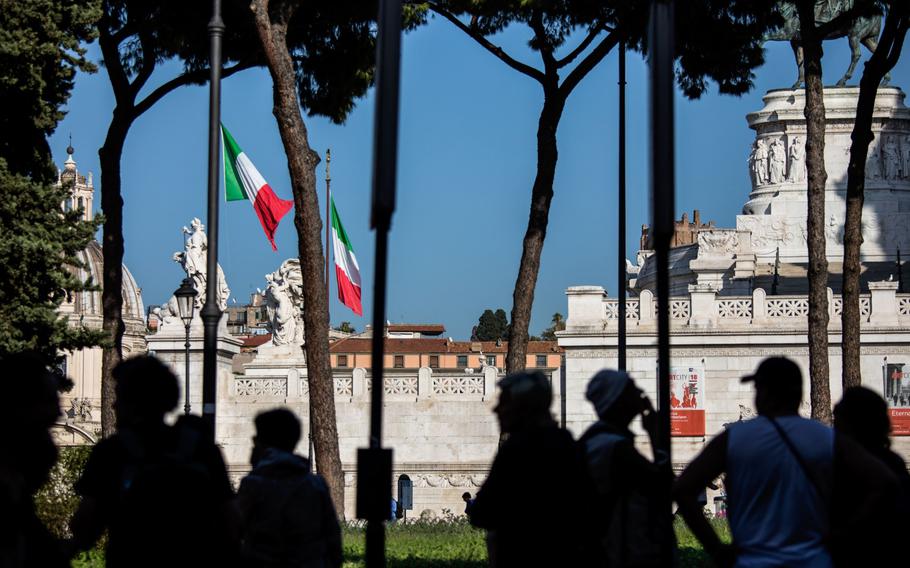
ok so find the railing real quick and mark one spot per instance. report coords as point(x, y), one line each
point(423, 384)
point(704, 307)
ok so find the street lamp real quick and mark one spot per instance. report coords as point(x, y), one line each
point(186, 303)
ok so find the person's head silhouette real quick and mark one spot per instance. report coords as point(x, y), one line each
point(615, 397)
point(524, 401)
point(778, 387)
point(278, 429)
point(863, 415)
point(146, 390)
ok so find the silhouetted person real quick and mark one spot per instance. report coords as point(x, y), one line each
point(287, 516)
point(27, 455)
point(874, 525)
point(468, 502)
point(780, 480)
point(161, 491)
point(776, 514)
point(633, 526)
point(537, 457)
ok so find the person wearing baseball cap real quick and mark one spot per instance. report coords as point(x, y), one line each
point(779, 478)
point(633, 528)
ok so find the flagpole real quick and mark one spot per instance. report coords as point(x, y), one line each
point(328, 247)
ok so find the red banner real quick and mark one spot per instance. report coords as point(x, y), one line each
point(900, 421)
point(687, 402)
point(897, 394)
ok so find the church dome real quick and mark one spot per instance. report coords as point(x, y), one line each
point(87, 304)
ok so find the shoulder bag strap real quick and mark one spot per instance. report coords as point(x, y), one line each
point(809, 473)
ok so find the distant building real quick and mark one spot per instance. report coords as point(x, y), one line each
point(81, 421)
point(250, 319)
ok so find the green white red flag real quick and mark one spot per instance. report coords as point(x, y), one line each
point(242, 181)
point(347, 271)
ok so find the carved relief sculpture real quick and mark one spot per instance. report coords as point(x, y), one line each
point(891, 159)
point(758, 162)
point(873, 162)
point(778, 162)
point(797, 154)
point(905, 155)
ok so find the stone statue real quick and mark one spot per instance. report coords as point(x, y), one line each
point(834, 232)
point(758, 162)
point(797, 155)
point(862, 30)
point(194, 260)
point(778, 162)
point(905, 157)
point(891, 159)
point(283, 301)
point(873, 162)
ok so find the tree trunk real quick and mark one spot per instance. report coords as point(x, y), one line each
point(271, 24)
point(541, 196)
point(819, 374)
point(853, 229)
point(112, 254)
point(878, 66)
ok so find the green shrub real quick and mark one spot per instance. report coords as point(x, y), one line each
point(56, 502)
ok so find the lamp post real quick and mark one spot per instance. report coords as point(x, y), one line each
point(186, 304)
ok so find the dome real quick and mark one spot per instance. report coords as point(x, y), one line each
point(87, 305)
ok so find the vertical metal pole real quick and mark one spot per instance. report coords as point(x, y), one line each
point(375, 463)
point(211, 311)
point(661, 55)
point(328, 247)
point(621, 207)
point(186, 371)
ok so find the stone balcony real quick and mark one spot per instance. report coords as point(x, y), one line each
point(704, 310)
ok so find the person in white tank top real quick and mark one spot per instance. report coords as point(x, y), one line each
point(779, 475)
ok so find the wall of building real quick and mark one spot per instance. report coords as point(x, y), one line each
point(440, 424)
point(728, 337)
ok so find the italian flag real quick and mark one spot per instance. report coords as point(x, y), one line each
point(347, 271)
point(243, 181)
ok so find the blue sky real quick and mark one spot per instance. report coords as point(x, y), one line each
point(466, 166)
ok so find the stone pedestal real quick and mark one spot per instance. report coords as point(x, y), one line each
point(776, 211)
point(169, 346)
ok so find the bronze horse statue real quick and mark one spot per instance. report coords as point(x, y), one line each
point(861, 30)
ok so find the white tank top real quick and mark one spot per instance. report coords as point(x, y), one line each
point(776, 515)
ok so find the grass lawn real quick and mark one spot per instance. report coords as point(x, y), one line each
point(450, 544)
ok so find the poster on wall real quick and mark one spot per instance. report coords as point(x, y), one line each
point(687, 401)
point(897, 395)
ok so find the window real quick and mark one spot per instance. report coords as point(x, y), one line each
point(491, 360)
point(342, 360)
point(434, 361)
point(541, 360)
point(462, 361)
point(399, 362)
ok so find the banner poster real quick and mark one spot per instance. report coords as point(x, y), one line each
point(687, 401)
point(897, 395)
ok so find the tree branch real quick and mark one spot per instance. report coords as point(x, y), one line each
point(588, 63)
point(546, 50)
point(595, 31)
point(191, 78)
point(111, 56)
point(148, 65)
point(486, 44)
